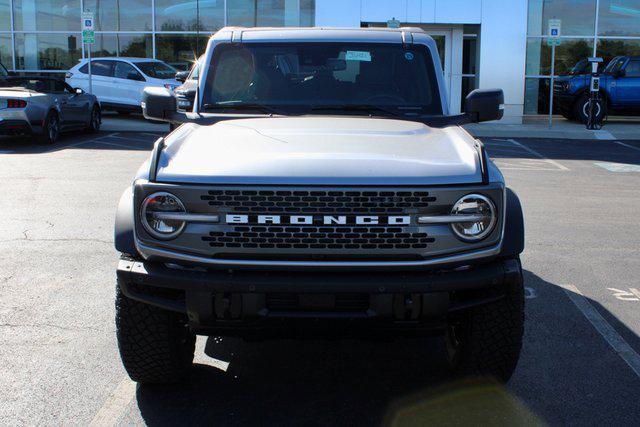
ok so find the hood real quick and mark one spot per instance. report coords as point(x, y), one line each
point(319, 150)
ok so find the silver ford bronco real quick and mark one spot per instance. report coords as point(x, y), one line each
point(319, 187)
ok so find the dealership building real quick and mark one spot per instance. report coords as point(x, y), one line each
point(482, 43)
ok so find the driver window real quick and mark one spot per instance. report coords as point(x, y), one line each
point(633, 69)
point(122, 70)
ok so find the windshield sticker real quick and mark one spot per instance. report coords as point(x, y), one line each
point(358, 55)
point(408, 56)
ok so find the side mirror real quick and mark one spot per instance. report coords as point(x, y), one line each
point(181, 76)
point(78, 91)
point(158, 104)
point(621, 73)
point(483, 105)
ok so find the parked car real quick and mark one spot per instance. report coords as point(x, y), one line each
point(321, 188)
point(44, 107)
point(619, 90)
point(118, 82)
point(186, 92)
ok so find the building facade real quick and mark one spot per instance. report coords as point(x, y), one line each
point(482, 43)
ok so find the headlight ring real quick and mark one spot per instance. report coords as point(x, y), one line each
point(474, 204)
point(151, 215)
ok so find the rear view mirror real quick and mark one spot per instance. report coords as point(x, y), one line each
point(483, 105)
point(335, 64)
point(181, 76)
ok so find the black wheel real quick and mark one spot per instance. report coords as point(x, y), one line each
point(486, 341)
point(156, 345)
point(581, 109)
point(95, 120)
point(51, 129)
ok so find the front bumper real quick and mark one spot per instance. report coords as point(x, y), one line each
point(242, 303)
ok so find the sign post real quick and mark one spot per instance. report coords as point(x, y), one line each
point(555, 26)
point(88, 38)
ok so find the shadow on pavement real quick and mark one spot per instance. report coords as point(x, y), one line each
point(133, 141)
point(560, 377)
point(564, 149)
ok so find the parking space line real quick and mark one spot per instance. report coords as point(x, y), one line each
point(115, 405)
point(113, 144)
point(605, 329)
point(626, 145)
point(538, 155)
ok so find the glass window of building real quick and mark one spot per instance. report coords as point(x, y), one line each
point(135, 45)
point(105, 14)
point(180, 50)
point(211, 14)
point(46, 15)
point(578, 16)
point(5, 15)
point(47, 51)
point(174, 15)
point(568, 54)
point(105, 45)
point(619, 18)
point(6, 57)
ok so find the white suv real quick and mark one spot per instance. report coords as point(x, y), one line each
point(118, 82)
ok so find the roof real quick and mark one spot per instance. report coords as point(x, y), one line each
point(322, 34)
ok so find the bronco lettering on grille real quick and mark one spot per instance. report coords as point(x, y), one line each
point(311, 219)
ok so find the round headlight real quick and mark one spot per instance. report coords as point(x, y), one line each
point(156, 215)
point(484, 212)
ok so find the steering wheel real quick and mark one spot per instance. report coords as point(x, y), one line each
point(385, 97)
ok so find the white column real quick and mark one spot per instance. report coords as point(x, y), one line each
point(30, 40)
point(503, 52)
point(456, 70)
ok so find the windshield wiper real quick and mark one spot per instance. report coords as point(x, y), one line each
point(243, 107)
point(360, 107)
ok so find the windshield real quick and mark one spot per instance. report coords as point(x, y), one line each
point(302, 77)
point(157, 70)
point(3, 71)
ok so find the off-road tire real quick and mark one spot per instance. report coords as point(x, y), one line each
point(155, 345)
point(95, 120)
point(50, 136)
point(581, 109)
point(488, 339)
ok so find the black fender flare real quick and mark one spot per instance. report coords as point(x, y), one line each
point(124, 230)
point(513, 243)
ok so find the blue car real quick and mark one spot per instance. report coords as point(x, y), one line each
point(619, 90)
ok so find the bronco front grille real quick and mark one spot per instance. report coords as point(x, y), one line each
point(334, 237)
point(320, 202)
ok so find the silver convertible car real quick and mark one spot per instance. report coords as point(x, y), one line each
point(44, 107)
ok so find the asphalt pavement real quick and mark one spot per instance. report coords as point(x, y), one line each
point(580, 363)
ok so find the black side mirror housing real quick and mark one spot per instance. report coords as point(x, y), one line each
point(158, 104)
point(483, 105)
point(181, 76)
point(621, 73)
